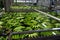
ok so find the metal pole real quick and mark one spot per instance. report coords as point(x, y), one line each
point(32, 31)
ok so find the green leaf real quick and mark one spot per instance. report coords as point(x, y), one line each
point(33, 35)
point(20, 28)
point(1, 22)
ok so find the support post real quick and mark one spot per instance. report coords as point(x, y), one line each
point(7, 5)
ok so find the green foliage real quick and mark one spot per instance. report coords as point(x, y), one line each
point(3, 38)
point(24, 7)
point(19, 22)
point(17, 29)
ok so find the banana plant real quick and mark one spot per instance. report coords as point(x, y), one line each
point(20, 21)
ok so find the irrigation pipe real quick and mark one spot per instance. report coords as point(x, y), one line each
point(58, 19)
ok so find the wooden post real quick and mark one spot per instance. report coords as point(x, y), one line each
point(7, 5)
